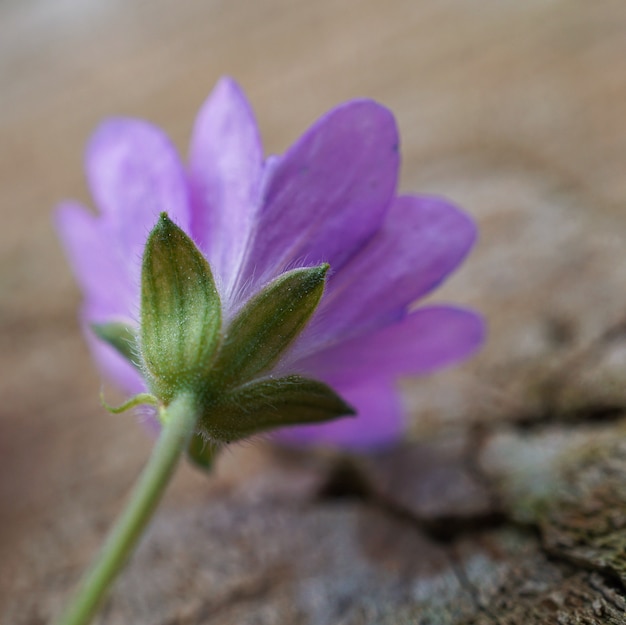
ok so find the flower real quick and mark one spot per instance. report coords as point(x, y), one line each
point(331, 198)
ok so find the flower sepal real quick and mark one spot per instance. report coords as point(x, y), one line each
point(180, 312)
point(141, 399)
point(268, 324)
point(121, 336)
point(267, 404)
point(202, 452)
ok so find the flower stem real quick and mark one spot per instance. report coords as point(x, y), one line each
point(179, 421)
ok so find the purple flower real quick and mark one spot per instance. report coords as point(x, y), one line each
point(330, 198)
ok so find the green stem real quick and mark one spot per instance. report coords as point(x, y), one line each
point(180, 419)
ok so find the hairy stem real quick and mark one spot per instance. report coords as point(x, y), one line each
point(179, 421)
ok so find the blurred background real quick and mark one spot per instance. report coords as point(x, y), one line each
point(513, 109)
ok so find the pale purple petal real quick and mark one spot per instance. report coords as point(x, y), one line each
point(424, 341)
point(379, 421)
point(109, 294)
point(103, 278)
point(135, 173)
point(328, 194)
point(421, 242)
point(226, 161)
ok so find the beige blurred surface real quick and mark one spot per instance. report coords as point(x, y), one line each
point(513, 109)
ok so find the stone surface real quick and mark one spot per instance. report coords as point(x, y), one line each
point(505, 505)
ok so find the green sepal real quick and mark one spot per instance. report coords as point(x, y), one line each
point(268, 404)
point(141, 399)
point(202, 452)
point(120, 336)
point(180, 311)
point(268, 324)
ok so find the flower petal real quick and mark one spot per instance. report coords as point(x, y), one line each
point(379, 421)
point(421, 242)
point(135, 173)
point(328, 194)
point(103, 279)
point(226, 160)
point(424, 341)
point(109, 294)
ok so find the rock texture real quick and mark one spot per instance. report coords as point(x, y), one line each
point(506, 505)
